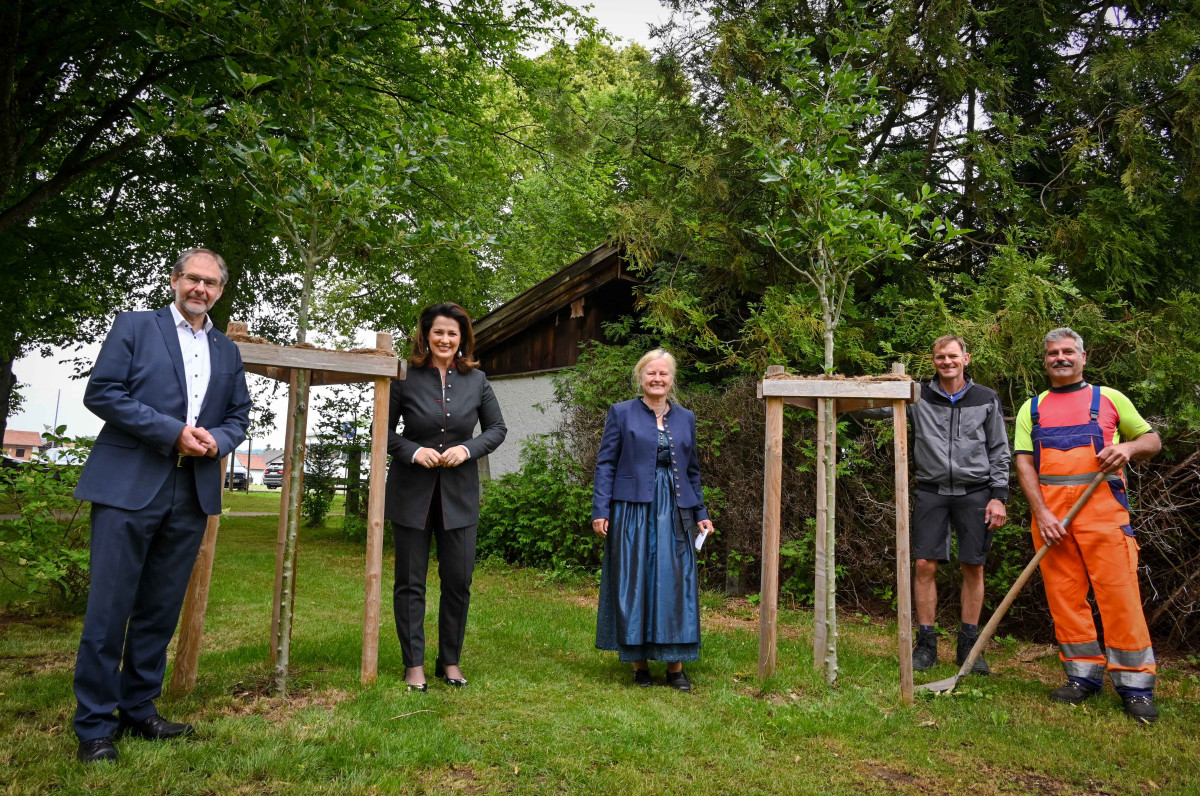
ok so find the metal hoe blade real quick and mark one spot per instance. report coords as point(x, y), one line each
point(989, 630)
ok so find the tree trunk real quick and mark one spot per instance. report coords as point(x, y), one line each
point(819, 531)
point(299, 434)
point(8, 381)
point(287, 601)
point(830, 474)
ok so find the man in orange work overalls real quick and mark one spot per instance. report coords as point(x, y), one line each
point(1064, 437)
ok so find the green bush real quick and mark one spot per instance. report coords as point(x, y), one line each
point(320, 481)
point(541, 514)
point(44, 549)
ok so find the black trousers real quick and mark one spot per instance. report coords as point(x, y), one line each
point(140, 565)
point(456, 563)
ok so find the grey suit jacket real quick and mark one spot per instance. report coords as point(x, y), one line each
point(431, 423)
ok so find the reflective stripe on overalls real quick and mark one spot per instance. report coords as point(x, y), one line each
point(1099, 550)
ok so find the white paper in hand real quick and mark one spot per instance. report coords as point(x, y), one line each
point(700, 537)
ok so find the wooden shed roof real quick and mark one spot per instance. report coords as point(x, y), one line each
point(598, 267)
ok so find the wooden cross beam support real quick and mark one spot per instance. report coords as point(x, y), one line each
point(323, 367)
point(835, 395)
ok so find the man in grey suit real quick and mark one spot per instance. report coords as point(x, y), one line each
point(172, 393)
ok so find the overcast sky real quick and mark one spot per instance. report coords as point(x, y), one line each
point(47, 385)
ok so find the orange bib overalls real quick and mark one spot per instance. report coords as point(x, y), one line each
point(1100, 548)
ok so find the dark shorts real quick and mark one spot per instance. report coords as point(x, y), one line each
point(933, 514)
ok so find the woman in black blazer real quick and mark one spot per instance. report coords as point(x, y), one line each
point(646, 497)
point(433, 483)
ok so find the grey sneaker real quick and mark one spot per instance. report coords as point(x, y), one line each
point(1141, 708)
point(966, 640)
point(925, 651)
point(1073, 693)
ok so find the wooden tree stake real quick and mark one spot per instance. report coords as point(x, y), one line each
point(903, 570)
point(374, 554)
point(768, 606)
point(828, 397)
point(195, 605)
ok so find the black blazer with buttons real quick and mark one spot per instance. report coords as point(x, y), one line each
point(629, 454)
point(428, 422)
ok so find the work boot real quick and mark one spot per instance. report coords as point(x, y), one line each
point(1141, 708)
point(925, 652)
point(966, 640)
point(1073, 693)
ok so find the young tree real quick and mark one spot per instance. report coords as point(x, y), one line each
point(830, 215)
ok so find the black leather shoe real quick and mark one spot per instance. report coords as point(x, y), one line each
point(440, 671)
point(1141, 708)
point(420, 688)
point(679, 681)
point(642, 678)
point(1073, 693)
point(97, 750)
point(154, 728)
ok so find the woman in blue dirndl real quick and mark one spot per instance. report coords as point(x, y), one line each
point(646, 498)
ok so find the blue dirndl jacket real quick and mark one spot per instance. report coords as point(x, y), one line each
point(628, 455)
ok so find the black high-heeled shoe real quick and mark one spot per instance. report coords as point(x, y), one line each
point(440, 671)
point(420, 688)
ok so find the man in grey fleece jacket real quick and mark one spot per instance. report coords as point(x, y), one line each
point(962, 456)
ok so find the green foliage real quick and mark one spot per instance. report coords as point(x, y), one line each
point(320, 481)
point(831, 214)
point(344, 417)
point(540, 515)
point(44, 548)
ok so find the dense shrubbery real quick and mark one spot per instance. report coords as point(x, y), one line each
point(541, 514)
point(44, 549)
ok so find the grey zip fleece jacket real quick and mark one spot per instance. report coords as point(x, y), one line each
point(960, 447)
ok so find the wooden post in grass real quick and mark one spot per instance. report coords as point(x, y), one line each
point(374, 576)
point(903, 570)
point(828, 396)
point(315, 367)
point(195, 605)
point(768, 595)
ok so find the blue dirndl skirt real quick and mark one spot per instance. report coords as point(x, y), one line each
point(649, 590)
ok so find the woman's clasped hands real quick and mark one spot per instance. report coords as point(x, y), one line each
point(429, 458)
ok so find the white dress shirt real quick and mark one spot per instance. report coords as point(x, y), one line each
point(196, 366)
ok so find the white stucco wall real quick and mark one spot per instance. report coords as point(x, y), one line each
point(529, 408)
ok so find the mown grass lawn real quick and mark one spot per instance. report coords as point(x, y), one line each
point(547, 713)
point(262, 499)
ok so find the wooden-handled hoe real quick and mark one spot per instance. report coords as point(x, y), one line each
point(990, 629)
